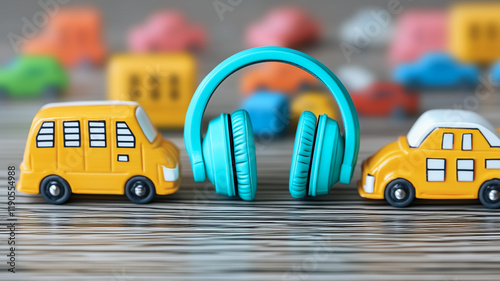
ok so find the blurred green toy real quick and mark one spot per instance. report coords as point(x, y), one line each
point(32, 76)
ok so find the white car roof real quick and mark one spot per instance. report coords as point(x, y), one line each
point(86, 103)
point(450, 118)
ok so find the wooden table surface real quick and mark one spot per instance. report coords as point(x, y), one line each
point(196, 234)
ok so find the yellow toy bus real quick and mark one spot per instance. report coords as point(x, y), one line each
point(107, 147)
point(163, 84)
point(475, 32)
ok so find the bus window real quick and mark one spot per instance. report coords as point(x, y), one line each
point(174, 87)
point(71, 130)
point(124, 137)
point(154, 86)
point(45, 136)
point(97, 133)
point(145, 124)
point(134, 87)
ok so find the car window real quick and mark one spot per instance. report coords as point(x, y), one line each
point(447, 142)
point(11, 63)
point(384, 94)
point(466, 141)
point(33, 70)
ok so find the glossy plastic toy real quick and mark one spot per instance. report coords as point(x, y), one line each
point(361, 22)
point(448, 154)
point(437, 70)
point(73, 35)
point(97, 148)
point(286, 26)
point(474, 32)
point(32, 76)
point(495, 73)
point(277, 77)
point(226, 155)
point(418, 32)
point(162, 84)
point(317, 102)
point(167, 31)
point(386, 99)
point(268, 112)
point(356, 77)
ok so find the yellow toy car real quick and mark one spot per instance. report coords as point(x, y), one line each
point(97, 148)
point(448, 154)
point(163, 84)
point(315, 101)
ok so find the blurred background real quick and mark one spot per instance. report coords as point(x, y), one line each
point(397, 59)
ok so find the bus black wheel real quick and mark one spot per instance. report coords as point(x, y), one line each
point(55, 190)
point(140, 190)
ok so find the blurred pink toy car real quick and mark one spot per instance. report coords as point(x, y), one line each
point(418, 32)
point(167, 31)
point(285, 27)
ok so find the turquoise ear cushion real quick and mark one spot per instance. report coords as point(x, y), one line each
point(302, 152)
point(327, 158)
point(217, 155)
point(244, 154)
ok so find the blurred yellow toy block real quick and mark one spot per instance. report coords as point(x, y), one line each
point(163, 84)
point(315, 101)
point(475, 32)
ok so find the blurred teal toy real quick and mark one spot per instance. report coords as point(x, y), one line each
point(269, 113)
point(32, 76)
point(437, 70)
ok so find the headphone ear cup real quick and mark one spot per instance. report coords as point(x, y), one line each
point(302, 152)
point(217, 155)
point(327, 157)
point(244, 154)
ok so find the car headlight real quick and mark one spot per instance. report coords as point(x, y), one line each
point(170, 174)
point(369, 184)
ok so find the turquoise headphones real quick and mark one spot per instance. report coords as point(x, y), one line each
point(227, 154)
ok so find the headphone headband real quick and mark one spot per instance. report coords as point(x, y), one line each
point(192, 126)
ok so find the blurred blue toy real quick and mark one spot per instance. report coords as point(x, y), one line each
point(495, 73)
point(437, 70)
point(269, 113)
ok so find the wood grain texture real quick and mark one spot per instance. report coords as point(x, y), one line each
point(196, 234)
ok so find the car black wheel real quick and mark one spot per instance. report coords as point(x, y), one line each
point(51, 92)
point(489, 194)
point(399, 193)
point(398, 113)
point(55, 190)
point(140, 190)
point(3, 94)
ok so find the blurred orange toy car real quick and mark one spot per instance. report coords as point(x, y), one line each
point(286, 26)
point(385, 99)
point(73, 36)
point(167, 31)
point(277, 77)
point(418, 32)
